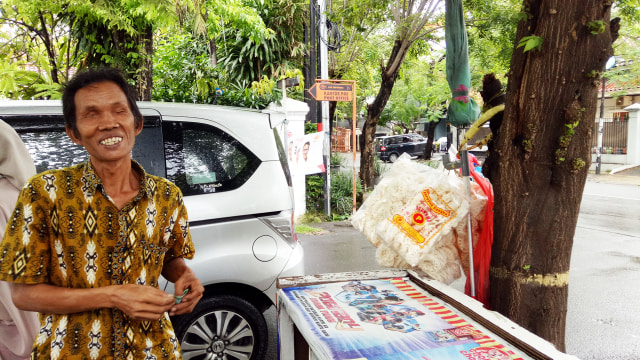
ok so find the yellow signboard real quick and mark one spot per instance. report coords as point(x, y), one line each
point(331, 92)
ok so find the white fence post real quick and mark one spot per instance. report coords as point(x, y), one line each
point(295, 112)
point(633, 139)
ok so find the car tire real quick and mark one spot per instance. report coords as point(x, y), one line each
point(222, 327)
point(393, 157)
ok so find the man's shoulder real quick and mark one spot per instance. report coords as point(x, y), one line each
point(159, 179)
point(73, 170)
point(154, 181)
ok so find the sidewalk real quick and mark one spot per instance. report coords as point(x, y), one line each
point(629, 176)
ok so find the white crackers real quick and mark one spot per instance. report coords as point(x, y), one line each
point(417, 218)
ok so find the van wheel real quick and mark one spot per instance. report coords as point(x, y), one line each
point(393, 158)
point(222, 327)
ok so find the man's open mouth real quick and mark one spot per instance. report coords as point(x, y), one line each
point(111, 141)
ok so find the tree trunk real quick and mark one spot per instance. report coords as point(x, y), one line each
point(44, 35)
point(428, 150)
point(542, 157)
point(213, 52)
point(144, 76)
point(374, 109)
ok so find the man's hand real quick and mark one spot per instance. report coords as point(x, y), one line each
point(142, 302)
point(177, 271)
point(187, 280)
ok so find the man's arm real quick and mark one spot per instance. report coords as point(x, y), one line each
point(177, 271)
point(137, 301)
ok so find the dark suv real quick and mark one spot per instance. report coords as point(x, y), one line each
point(389, 148)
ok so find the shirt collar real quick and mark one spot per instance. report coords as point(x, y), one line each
point(92, 181)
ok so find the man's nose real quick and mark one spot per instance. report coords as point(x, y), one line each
point(108, 122)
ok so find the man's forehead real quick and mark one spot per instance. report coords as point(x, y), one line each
point(94, 92)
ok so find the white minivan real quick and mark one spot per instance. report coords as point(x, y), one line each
point(231, 167)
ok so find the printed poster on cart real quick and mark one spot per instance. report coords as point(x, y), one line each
point(388, 320)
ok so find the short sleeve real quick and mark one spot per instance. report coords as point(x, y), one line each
point(24, 251)
point(180, 243)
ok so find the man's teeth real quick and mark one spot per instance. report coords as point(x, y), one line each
point(111, 141)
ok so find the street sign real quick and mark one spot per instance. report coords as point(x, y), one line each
point(331, 92)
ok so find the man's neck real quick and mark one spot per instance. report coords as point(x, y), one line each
point(119, 179)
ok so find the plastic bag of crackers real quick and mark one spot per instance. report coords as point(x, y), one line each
point(416, 217)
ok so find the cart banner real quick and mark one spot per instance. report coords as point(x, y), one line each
point(387, 319)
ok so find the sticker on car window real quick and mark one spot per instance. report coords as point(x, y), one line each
point(201, 178)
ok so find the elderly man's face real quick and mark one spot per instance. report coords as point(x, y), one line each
point(106, 126)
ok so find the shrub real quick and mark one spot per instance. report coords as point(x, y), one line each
point(336, 159)
point(342, 195)
point(310, 128)
point(378, 167)
point(315, 194)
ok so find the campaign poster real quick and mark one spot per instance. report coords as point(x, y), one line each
point(387, 319)
point(305, 153)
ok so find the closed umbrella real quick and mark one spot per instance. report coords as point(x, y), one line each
point(463, 110)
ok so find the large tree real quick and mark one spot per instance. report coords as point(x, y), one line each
point(38, 53)
point(410, 21)
point(541, 155)
point(119, 33)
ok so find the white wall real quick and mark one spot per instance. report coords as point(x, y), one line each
point(611, 162)
point(295, 112)
point(633, 138)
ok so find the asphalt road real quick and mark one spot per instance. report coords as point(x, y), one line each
point(604, 291)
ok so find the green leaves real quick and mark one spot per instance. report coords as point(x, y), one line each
point(531, 42)
point(596, 27)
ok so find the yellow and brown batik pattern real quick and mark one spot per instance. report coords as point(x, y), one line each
point(65, 231)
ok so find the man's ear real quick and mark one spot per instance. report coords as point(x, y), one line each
point(73, 136)
point(140, 126)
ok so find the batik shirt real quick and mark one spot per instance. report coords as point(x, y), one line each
point(66, 231)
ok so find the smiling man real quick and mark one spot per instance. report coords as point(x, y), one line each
point(86, 245)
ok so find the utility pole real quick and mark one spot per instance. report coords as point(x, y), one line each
point(326, 128)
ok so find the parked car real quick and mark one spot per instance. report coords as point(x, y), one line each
point(389, 148)
point(231, 167)
point(442, 144)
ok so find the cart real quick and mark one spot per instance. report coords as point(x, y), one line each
point(394, 314)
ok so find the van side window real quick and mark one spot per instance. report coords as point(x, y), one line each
point(47, 142)
point(50, 147)
point(203, 159)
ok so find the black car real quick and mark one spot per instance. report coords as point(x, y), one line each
point(389, 148)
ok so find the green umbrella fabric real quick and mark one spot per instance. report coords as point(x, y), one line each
point(463, 110)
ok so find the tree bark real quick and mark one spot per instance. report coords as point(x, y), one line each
point(44, 35)
point(428, 150)
point(213, 52)
point(144, 81)
point(541, 159)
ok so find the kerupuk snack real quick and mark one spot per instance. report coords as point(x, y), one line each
point(478, 204)
point(415, 217)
